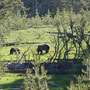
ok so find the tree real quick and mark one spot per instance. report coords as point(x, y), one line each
point(47, 19)
point(71, 28)
point(2, 68)
point(85, 77)
point(8, 7)
point(35, 80)
point(52, 5)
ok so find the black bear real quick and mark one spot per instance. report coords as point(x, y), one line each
point(44, 47)
point(14, 50)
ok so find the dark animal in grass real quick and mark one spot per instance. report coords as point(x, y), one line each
point(42, 48)
point(14, 50)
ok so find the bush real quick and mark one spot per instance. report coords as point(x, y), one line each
point(35, 80)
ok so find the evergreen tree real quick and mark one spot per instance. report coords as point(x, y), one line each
point(44, 5)
point(37, 18)
point(2, 68)
point(47, 19)
point(57, 17)
point(35, 80)
point(8, 7)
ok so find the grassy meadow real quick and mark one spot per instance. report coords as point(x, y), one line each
point(55, 82)
point(32, 37)
point(35, 36)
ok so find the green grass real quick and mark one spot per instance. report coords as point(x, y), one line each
point(32, 35)
point(10, 80)
point(28, 35)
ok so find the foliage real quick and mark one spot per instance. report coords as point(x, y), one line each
point(8, 7)
point(52, 5)
point(2, 68)
point(83, 80)
point(87, 63)
point(71, 28)
point(4, 30)
point(8, 10)
point(47, 19)
point(40, 21)
point(36, 21)
point(18, 21)
point(12, 17)
point(35, 80)
point(79, 86)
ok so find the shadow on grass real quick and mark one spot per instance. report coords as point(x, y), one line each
point(57, 82)
point(14, 84)
point(60, 82)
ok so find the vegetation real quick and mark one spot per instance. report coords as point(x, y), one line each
point(35, 80)
point(83, 81)
point(52, 5)
point(63, 24)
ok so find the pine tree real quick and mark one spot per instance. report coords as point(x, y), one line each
point(57, 17)
point(35, 80)
point(8, 7)
point(37, 18)
point(2, 68)
point(47, 19)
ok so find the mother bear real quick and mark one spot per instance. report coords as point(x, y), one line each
point(42, 48)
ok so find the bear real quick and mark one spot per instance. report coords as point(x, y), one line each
point(14, 50)
point(44, 47)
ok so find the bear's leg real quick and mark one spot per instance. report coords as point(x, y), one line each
point(38, 52)
point(46, 51)
point(11, 52)
point(41, 51)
